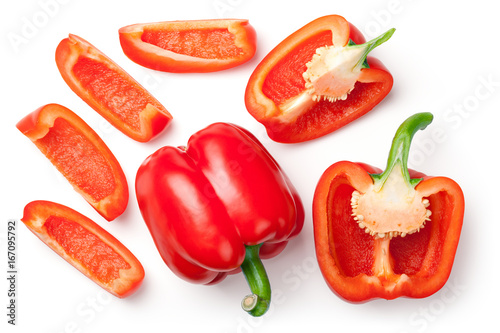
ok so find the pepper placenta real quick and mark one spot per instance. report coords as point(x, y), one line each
point(189, 46)
point(317, 80)
point(109, 90)
point(218, 205)
point(386, 234)
point(76, 150)
point(86, 246)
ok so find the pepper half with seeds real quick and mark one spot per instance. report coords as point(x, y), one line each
point(386, 234)
point(317, 80)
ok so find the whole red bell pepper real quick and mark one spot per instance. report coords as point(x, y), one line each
point(189, 46)
point(386, 234)
point(217, 205)
point(317, 80)
point(86, 246)
point(76, 150)
point(110, 90)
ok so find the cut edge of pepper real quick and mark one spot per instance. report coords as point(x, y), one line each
point(68, 53)
point(37, 124)
point(37, 212)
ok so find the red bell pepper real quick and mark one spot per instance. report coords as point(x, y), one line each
point(189, 46)
point(109, 90)
point(80, 155)
point(86, 246)
point(317, 80)
point(390, 234)
point(215, 205)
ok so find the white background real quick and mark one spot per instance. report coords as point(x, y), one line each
point(444, 59)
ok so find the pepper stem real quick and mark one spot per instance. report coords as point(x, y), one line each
point(370, 45)
point(398, 155)
point(257, 303)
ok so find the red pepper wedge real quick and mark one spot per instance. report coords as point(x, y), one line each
point(86, 246)
point(217, 205)
point(195, 46)
point(386, 235)
point(109, 90)
point(76, 150)
point(316, 81)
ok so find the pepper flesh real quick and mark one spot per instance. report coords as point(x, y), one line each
point(359, 263)
point(86, 246)
point(189, 46)
point(109, 90)
point(291, 94)
point(216, 205)
point(80, 155)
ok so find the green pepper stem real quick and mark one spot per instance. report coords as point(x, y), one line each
point(258, 302)
point(370, 45)
point(400, 149)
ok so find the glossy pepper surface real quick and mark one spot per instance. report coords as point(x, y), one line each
point(386, 234)
point(76, 150)
point(110, 90)
point(189, 46)
point(218, 205)
point(86, 246)
point(317, 80)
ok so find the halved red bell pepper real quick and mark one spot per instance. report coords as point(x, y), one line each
point(80, 155)
point(109, 90)
point(86, 246)
point(189, 46)
point(317, 80)
point(217, 205)
point(390, 234)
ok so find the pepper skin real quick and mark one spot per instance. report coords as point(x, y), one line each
point(196, 46)
point(390, 234)
point(212, 207)
point(86, 246)
point(109, 90)
point(80, 155)
point(316, 81)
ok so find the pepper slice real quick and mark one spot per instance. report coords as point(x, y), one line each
point(80, 155)
point(390, 234)
point(220, 204)
point(189, 46)
point(316, 81)
point(86, 246)
point(109, 90)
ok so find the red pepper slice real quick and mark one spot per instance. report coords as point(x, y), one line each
point(86, 246)
point(80, 155)
point(109, 90)
point(189, 46)
point(217, 205)
point(316, 81)
point(390, 234)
